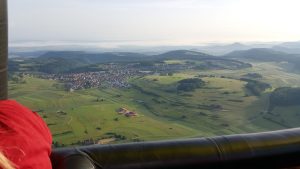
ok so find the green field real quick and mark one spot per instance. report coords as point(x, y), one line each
point(86, 118)
point(222, 106)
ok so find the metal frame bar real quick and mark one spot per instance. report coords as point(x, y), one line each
point(275, 149)
point(3, 49)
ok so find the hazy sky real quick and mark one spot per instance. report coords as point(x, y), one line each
point(155, 21)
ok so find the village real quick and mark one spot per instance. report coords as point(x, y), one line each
point(117, 78)
point(112, 75)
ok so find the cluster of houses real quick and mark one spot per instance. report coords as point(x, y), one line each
point(111, 78)
point(126, 112)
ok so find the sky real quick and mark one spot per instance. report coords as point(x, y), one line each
point(154, 22)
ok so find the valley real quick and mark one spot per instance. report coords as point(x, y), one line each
point(168, 98)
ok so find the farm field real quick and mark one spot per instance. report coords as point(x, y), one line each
point(221, 106)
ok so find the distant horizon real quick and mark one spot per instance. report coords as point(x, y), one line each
point(131, 43)
point(215, 48)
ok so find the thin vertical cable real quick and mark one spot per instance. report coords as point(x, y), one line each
point(3, 49)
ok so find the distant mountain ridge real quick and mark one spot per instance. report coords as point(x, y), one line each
point(127, 56)
point(223, 49)
point(291, 44)
point(93, 57)
point(184, 54)
point(65, 61)
point(267, 55)
point(263, 54)
point(217, 49)
point(288, 47)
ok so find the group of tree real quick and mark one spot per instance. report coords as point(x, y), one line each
point(255, 87)
point(253, 75)
point(188, 85)
point(57, 65)
point(284, 96)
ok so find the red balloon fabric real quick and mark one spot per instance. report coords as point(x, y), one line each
point(24, 137)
